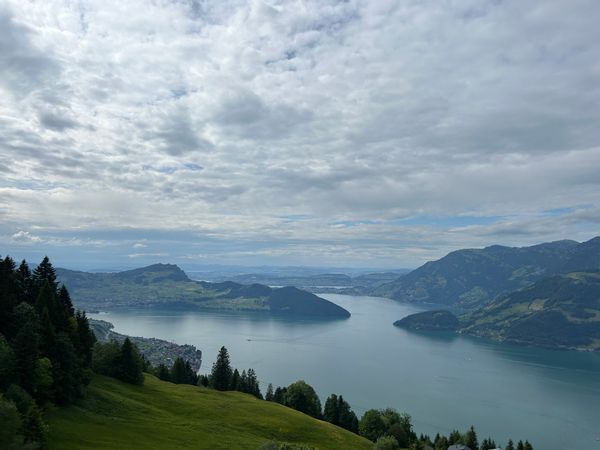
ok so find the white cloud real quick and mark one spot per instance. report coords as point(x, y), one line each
point(336, 111)
point(25, 237)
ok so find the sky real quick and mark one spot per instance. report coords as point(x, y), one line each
point(320, 133)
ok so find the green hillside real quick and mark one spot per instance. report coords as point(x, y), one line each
point(471, 278)
point(167, 286)
point(165, 416)
point(562, 311)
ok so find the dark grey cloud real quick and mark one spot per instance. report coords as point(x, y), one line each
point(23, 66)
point(176, 135)
point(56, 122)
point(246, 115)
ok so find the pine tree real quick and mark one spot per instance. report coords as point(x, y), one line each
point(331, 411)
point(488, 444)
point(235, 381)
point(471, 439)
point(178, 375)
point(520, 445)
point(162, 372)
point(510, 445)
point(45, 273)
point(66, 371)
point(26, 345)
point(221, 371)
point(8, 292)
point(280, 395)
point(130, 364)
point(528, 446)
point(25, 283)
point(85, 338)
point(269, 394)
point(252, 385)
point(454, 438)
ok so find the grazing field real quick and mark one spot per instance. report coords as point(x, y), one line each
point(162, 415)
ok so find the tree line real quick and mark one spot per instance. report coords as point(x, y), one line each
point(45, 351)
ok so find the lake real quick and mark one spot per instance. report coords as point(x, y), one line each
point(550, 397)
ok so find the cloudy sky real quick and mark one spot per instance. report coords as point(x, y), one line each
point(342, 133)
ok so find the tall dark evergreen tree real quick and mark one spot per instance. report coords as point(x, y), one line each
point(510, 445)
point(44, 272)
point(280, 395)
point(235, 381)
point(221, 371)
point(528, 446)
point(8, 292)
point(25, 283)
point(26, 346)
point(331, 411)
point(130, 364)
point(520, 445)
point(163, 373)
point(85, 338)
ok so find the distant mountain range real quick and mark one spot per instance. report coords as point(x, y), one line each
point(319, 282)
point(562, 311)
point(469, 279)
point(167, 286)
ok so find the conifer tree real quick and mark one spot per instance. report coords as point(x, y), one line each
point(527, 445)
point(331, 411)
point(45, 273)
point(510, 445)
point(235, 384)
point(130, 364)
point(25, 283)
point(221, 371)
point(162, 372)
point(520, 445)
point(269, 394)
point(471, 439)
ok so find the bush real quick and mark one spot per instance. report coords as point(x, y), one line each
point(386, 443)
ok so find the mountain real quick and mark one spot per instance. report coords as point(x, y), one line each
point(561, 311)
point(321, 282)
point(467, 279)
point(167, 286)
point(161, 415)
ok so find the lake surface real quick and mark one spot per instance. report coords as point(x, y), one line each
point(551, 398)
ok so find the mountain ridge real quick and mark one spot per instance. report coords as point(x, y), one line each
point(470, 278)
point(167, 286)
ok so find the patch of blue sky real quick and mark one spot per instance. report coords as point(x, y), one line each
point(30, 185)
point(558, 211)
point(193, 167)
point(354, 223)
point(449, 221)
point(296, 217)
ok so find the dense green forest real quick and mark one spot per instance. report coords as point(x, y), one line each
point(45, 351)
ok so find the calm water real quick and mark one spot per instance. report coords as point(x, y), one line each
point(551, 398)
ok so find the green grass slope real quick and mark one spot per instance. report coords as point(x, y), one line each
point(165, 416)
